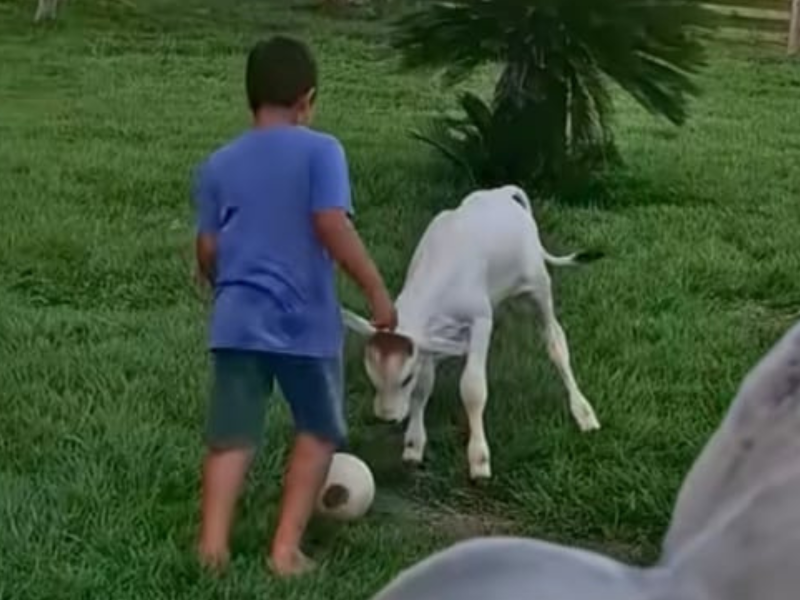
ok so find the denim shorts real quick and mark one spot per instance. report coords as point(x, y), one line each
point(243, 381)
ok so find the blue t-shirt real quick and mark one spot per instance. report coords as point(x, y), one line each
point(275, 287)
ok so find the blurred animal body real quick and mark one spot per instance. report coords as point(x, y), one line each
point(734, 535)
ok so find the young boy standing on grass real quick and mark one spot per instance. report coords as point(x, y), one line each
point(273, 221)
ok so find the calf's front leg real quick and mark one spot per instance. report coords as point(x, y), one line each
point(416, 437)
point(474, 394)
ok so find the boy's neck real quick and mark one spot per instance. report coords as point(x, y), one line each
point(267, 117)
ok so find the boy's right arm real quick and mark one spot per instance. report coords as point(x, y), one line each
point(331, 205)
point(337, 234)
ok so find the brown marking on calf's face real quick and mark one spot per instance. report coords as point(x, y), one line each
point(389, 362)
point(388, 353)
point(385, 345)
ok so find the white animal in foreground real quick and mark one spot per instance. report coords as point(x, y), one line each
point(46, 9)
point(467, 262)
point(735, 531)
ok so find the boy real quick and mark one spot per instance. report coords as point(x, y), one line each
point(273, 220)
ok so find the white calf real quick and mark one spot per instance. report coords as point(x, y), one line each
point(468, 261)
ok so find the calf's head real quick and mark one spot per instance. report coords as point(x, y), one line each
point(393, 363)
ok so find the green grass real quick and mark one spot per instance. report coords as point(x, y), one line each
point(102, 365)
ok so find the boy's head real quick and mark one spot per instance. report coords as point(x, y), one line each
point(282, 74)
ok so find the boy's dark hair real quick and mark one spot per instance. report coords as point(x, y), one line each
point(279, 71)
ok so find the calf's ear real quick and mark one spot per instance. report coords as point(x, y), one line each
point(357, 323)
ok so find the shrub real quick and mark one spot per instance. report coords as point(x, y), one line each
point(549, 117)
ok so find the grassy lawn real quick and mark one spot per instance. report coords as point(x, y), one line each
point(102, 365)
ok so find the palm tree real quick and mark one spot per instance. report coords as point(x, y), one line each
point(552, 103)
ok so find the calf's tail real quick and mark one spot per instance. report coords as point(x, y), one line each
point(574, 259)
point(570, 260)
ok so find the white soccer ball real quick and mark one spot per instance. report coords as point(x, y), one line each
point(348, 491)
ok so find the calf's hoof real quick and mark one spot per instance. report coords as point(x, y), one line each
point(480, 472)
point(412, 456)
point(586, 418)
point(589, 423)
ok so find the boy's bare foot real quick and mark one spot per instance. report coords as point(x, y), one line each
point(290, 563)
point(214, 560)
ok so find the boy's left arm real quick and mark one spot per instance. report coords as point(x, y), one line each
point(207, 219)
point(206, 256)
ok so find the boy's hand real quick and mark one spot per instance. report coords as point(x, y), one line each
point(384, 315)
point(201, 285)
point(206, 253)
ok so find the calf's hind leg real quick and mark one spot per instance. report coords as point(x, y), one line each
point(474, 394)
point(557, 348)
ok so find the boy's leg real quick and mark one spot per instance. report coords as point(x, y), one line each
point(233, 433)
point(223, 474)
point(314, 389)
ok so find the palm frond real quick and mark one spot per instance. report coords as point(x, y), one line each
point(477, 113)
point(551, 106)
point(443, 138)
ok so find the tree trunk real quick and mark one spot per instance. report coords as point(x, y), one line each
point(794, 29)
point(530, 105)
point(550, 96)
